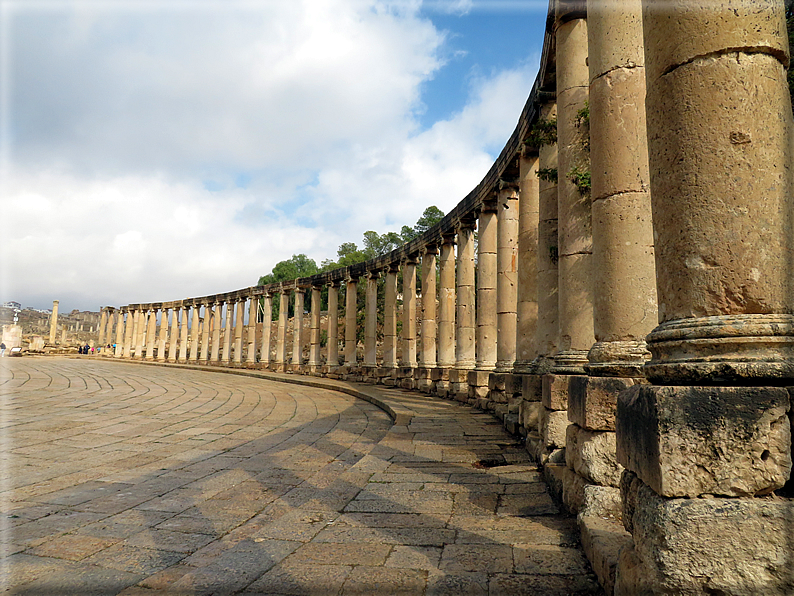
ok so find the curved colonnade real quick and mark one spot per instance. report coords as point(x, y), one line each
point(679, 112)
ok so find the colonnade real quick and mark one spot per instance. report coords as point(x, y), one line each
point(636, 332)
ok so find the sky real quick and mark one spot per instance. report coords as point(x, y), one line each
point(154, 150)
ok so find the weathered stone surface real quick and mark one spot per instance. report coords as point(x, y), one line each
point(592, 401)
point(690, 441)
point(529, 414)
point(555, 391)
point(602, 502)
point(602, 541)
point(531, 387)
point(592, 454)
point(683, 546)
point(553, 426)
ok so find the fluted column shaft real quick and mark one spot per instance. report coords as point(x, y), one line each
point(409, 313)
point(151, 340)
point(333, 324)
point(351, 298)
point(239, 323)
point(163, 337)
point(194, 333)
point(253, 305)
point(183, 335)
point(446, 304)
point(217, 314)
point(429, 325)
point(486, 286)
point(371, 319)
point(173, 340)
point(140, 333)
point(281, 332)
point(206, 334)
point(314, 349)
point(297, 328)
point(527, 291)
point(390, 318)
point(267, 319)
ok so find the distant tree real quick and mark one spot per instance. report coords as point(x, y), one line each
point(297, 266)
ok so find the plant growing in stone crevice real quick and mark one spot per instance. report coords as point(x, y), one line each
point(581, 179)
point(547, 174)
point(543, 132)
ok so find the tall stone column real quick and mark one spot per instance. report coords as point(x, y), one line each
point(183, 335)
point(527, 291)
point(163, 337)
point(351, 298)
point(575, 236)
point(409, 313)
point(267, 316)
point(371, 319)
point(206, 334)
point(429, 325)
point(250, 356)
point(227, 333)
point(390, 317)
point(465, 320)
point(297, 328)
point(54, 322)
point(140, 333)
point(103, 321)
point(119, 333)
point(194, 333)
point(446, 304)
point(215, 345)
point(151, 334)
point(173, 339)
point(711, 434)
point(239, 323)
point(314, 335)
point(486, 285)
point(506, 275)
point(333, 324)
point(281, 332)
point(128, 329)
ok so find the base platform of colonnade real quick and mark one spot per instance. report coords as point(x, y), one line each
point(151, 480)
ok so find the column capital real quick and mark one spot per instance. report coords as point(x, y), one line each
point(430, 249)
point(568, 10)
point(467, 222)
point(511, 184)
point(334, 283)
point(375, 274)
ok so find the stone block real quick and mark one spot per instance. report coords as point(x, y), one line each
point(553, 455)
point(553, 426)
point(534, 445)
point(499, 410)
point(478, 391)
point(511, 423)
point(529, 413)
point(458, 375)
point(555, 391)
point(592, 454)
point(513, 404)
point(554, 475)
point(531, 387)
point(497, 396)
point(691, 441)
point(441, 389)
point(726, 546)
point(602, 502)
point(478, 378)
point(496, 381)
point(593, 401)
point(602, 541)
point(573, 491)
point(481, 403)
point(439, 374)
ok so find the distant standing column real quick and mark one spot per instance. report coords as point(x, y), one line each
point(217, 314)
point(163, 339)
point(486, 286)
point(297, 328)
point(128, 325)
point(446, 304)
point(151, 334)
point(206, 331)
point(119, 333)
point(103, 321)
point(409, 312)
point(314, 333)
point(194, 333)
point(527, 292)
point(390, 318)
point(351, 299)
point(227, 334)
point(506, 275)
point(281, 332)
point(183, 335)
point(371, 319)
point(173, 340)
point(267, 316)
point(54, 321)
point(140, 333)
point(253, 305)
point(239, 323)
point(333, 324)
point(429, 330)
point(466, 320)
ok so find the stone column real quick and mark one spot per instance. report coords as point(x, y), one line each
point(173, 340)
point(333, 324)
point(314, 334)
point(486, 285)
point(506, 275)
point(465, 319)
point(711, 434)
point(371, 319)
point(183, 334)
point(140, 333)
point(351, 298)
point(446, 304)
point(409, 313)
point(575, 236)
point(206, 332)
point(151, 334)
point(429, 329)
point(267, 316)
point(163, 337)
point(227, 333)
point(217, 315)
point(119, 333)
point(238, 330)
point(53, 322)
point(527, 292)
point(103, 321)
point(250, 356)
point(281, 332)
point(128, 325)
point(390, 317)
point(297, 329)
point(194, 333)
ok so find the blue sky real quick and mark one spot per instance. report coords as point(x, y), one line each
point(158, 150)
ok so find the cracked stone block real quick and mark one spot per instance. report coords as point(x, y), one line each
point(592, 401)
point(592, 454)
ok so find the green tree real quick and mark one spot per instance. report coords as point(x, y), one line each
point(293, 268)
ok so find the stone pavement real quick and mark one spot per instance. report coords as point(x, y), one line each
point(125, 479)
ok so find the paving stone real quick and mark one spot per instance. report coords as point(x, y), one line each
point(380, 580)
point(135, 559)
point(333, 553)
point(491, 558)
point(300, 580)
point(73, 547)
point(458, 584)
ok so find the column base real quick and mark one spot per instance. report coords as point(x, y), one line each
point(570, 362)
point(617, 359)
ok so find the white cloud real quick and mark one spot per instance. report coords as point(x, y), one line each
point(161, 153)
